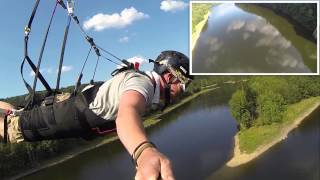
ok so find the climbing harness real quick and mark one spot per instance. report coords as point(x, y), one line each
point(72, 117)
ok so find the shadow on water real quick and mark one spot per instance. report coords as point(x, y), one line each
point(295, 158)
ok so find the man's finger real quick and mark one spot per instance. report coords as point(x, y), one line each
point(166, 170)
point(151, 174)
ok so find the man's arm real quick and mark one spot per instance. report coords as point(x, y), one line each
point(131, 132)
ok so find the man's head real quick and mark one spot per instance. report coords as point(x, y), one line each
point(173, 67)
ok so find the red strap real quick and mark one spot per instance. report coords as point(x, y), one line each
point(98, 131)
point(8, 112)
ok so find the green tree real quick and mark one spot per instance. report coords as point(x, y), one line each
point(270, 107)
point(240, 108)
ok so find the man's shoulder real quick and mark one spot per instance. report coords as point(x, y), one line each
point(136, 76)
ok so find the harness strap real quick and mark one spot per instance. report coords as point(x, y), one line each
point(62, 51)
point(27, 29)
point(167, 89)
point(5, 129)
point(5, 124)
point(35, 69)
point(42, 50)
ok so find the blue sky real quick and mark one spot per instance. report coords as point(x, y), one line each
point(129, 29)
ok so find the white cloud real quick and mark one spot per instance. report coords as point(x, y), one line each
point(139, 59)
point(124, 39)
point(235, 25)
point(33, 73)
point(42, 71)
point(245, 36)
point(173, 6)
point(215, 44)
point(66, 68)
point(101, 21)
point(49, 70)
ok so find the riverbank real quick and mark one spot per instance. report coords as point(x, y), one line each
point(148, 122)
point(198, 29)
point(304, 23)
point(293, 117)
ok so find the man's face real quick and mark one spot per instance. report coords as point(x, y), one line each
point(176, 87)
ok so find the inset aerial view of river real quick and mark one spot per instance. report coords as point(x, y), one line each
point(250, 38)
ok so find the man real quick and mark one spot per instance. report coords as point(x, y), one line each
point(124, 98)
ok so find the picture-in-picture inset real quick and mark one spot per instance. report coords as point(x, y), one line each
point(254, 38)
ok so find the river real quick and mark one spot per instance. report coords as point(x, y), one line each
point(245, 38)
point(198, 138)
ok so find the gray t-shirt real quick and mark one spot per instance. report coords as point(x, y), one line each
point(107, 100)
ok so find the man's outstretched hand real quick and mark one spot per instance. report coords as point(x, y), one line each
point(153, 165)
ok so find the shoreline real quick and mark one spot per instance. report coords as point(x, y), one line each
point(199, 27)
point(150, 121)
point(299, 27)
point(240, 158)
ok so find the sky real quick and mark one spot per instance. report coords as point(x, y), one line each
point(130, 29)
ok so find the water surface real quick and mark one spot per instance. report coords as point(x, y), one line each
point(198, 138)
point(295, 158)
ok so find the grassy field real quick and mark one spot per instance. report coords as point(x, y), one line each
point(199, 10)
point(200, 15)
point(252, 138)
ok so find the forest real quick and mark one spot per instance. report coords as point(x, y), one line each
point(263, 99)
point(303, 13)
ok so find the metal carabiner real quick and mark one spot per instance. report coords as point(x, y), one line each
point(70, 7)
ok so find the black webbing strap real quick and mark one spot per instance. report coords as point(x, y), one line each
point(167, 90)
point(34, 69)
point(5, 129)
point(95, 70)
point(78, 83)
point(42, 49)
point(6, 113)
point(28, 27)
point(26, 57)
point(62, 52)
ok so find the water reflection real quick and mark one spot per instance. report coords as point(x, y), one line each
point(237, 41)
point(197, 137)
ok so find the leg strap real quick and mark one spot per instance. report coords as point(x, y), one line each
point(5, 129)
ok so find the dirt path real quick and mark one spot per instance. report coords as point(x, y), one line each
point(242, 158)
